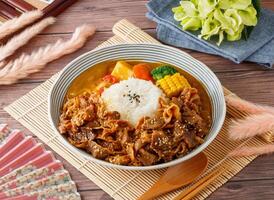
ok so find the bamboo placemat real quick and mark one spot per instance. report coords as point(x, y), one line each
point(31, 111)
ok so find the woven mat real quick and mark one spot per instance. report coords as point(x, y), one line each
point(31, 111)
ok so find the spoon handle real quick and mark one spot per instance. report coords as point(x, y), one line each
point(177, 176)
point(155, 191)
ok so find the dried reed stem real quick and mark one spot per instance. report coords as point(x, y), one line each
point(251, 126)
point(22, 38)
point(247, 106)
point(28, 64)
point(252, 151)
point(16, 24)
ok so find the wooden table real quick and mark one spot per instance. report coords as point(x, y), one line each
point(250, 81)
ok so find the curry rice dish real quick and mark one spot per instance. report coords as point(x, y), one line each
point(135, 113)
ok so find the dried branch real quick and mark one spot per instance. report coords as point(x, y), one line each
point(28, 64)
point(22, 38)
point(16, 24)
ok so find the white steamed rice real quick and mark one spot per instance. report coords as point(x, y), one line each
point(133, 99)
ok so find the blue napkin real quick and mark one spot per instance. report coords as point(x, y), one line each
point(259, 47)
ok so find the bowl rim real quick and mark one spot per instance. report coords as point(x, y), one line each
point(90, 158)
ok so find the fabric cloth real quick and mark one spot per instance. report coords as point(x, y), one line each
point(259, 47)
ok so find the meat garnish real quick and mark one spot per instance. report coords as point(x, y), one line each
point(176, 129)
point(94, 124)
point(131, 152)
point(97, 151)
point(181, 132)
point(123, 136)
point(88, 133)
point(190, 103)
point(189, 139)
point(111, 116)
point(64, 125)
point(120, 160)
point(171, 113)
point(181, 149)
point(145, 138)
point(195, 121)
point(114, 147)
point(146, 158)
point(191, 98)
point(80, 139)
point(154, 123)
point(162, 143)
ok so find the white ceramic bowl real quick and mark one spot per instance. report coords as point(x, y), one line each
point(148, 53)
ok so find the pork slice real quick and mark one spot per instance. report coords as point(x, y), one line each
point(153, 123)
point(130, 151)
point(179, 131)
point(145, 138)
point(163, 144)
point(97, 151)
point(112, 115)
point(195, 121)
point(120, 159)
point(88, 132)
point(95, 124)
point(182, 133)
point(160, 141)
point(146, 158)
point(80, 139)
point(178, 101)
point(190, 139)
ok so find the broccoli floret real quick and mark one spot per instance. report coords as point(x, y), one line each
point(162, 71)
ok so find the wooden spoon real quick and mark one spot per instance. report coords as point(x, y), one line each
point(177, 176)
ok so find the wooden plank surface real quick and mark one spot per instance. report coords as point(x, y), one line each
point(249, 81)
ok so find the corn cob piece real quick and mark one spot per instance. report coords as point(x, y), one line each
point(173, 85)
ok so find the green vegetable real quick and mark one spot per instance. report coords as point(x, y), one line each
point(191, 23)
point(248, 29)
point(179, 13)
point(225, 22)
point(189, 8)
point(162, 71)
point(205, 7)
point(187, 14)
point(248, 16)
point(236, 4)
point(227, 19)
point(221, 38)
point(211, 27)
point(237, 35)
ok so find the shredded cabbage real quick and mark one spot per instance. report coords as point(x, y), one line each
point(225, 19)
